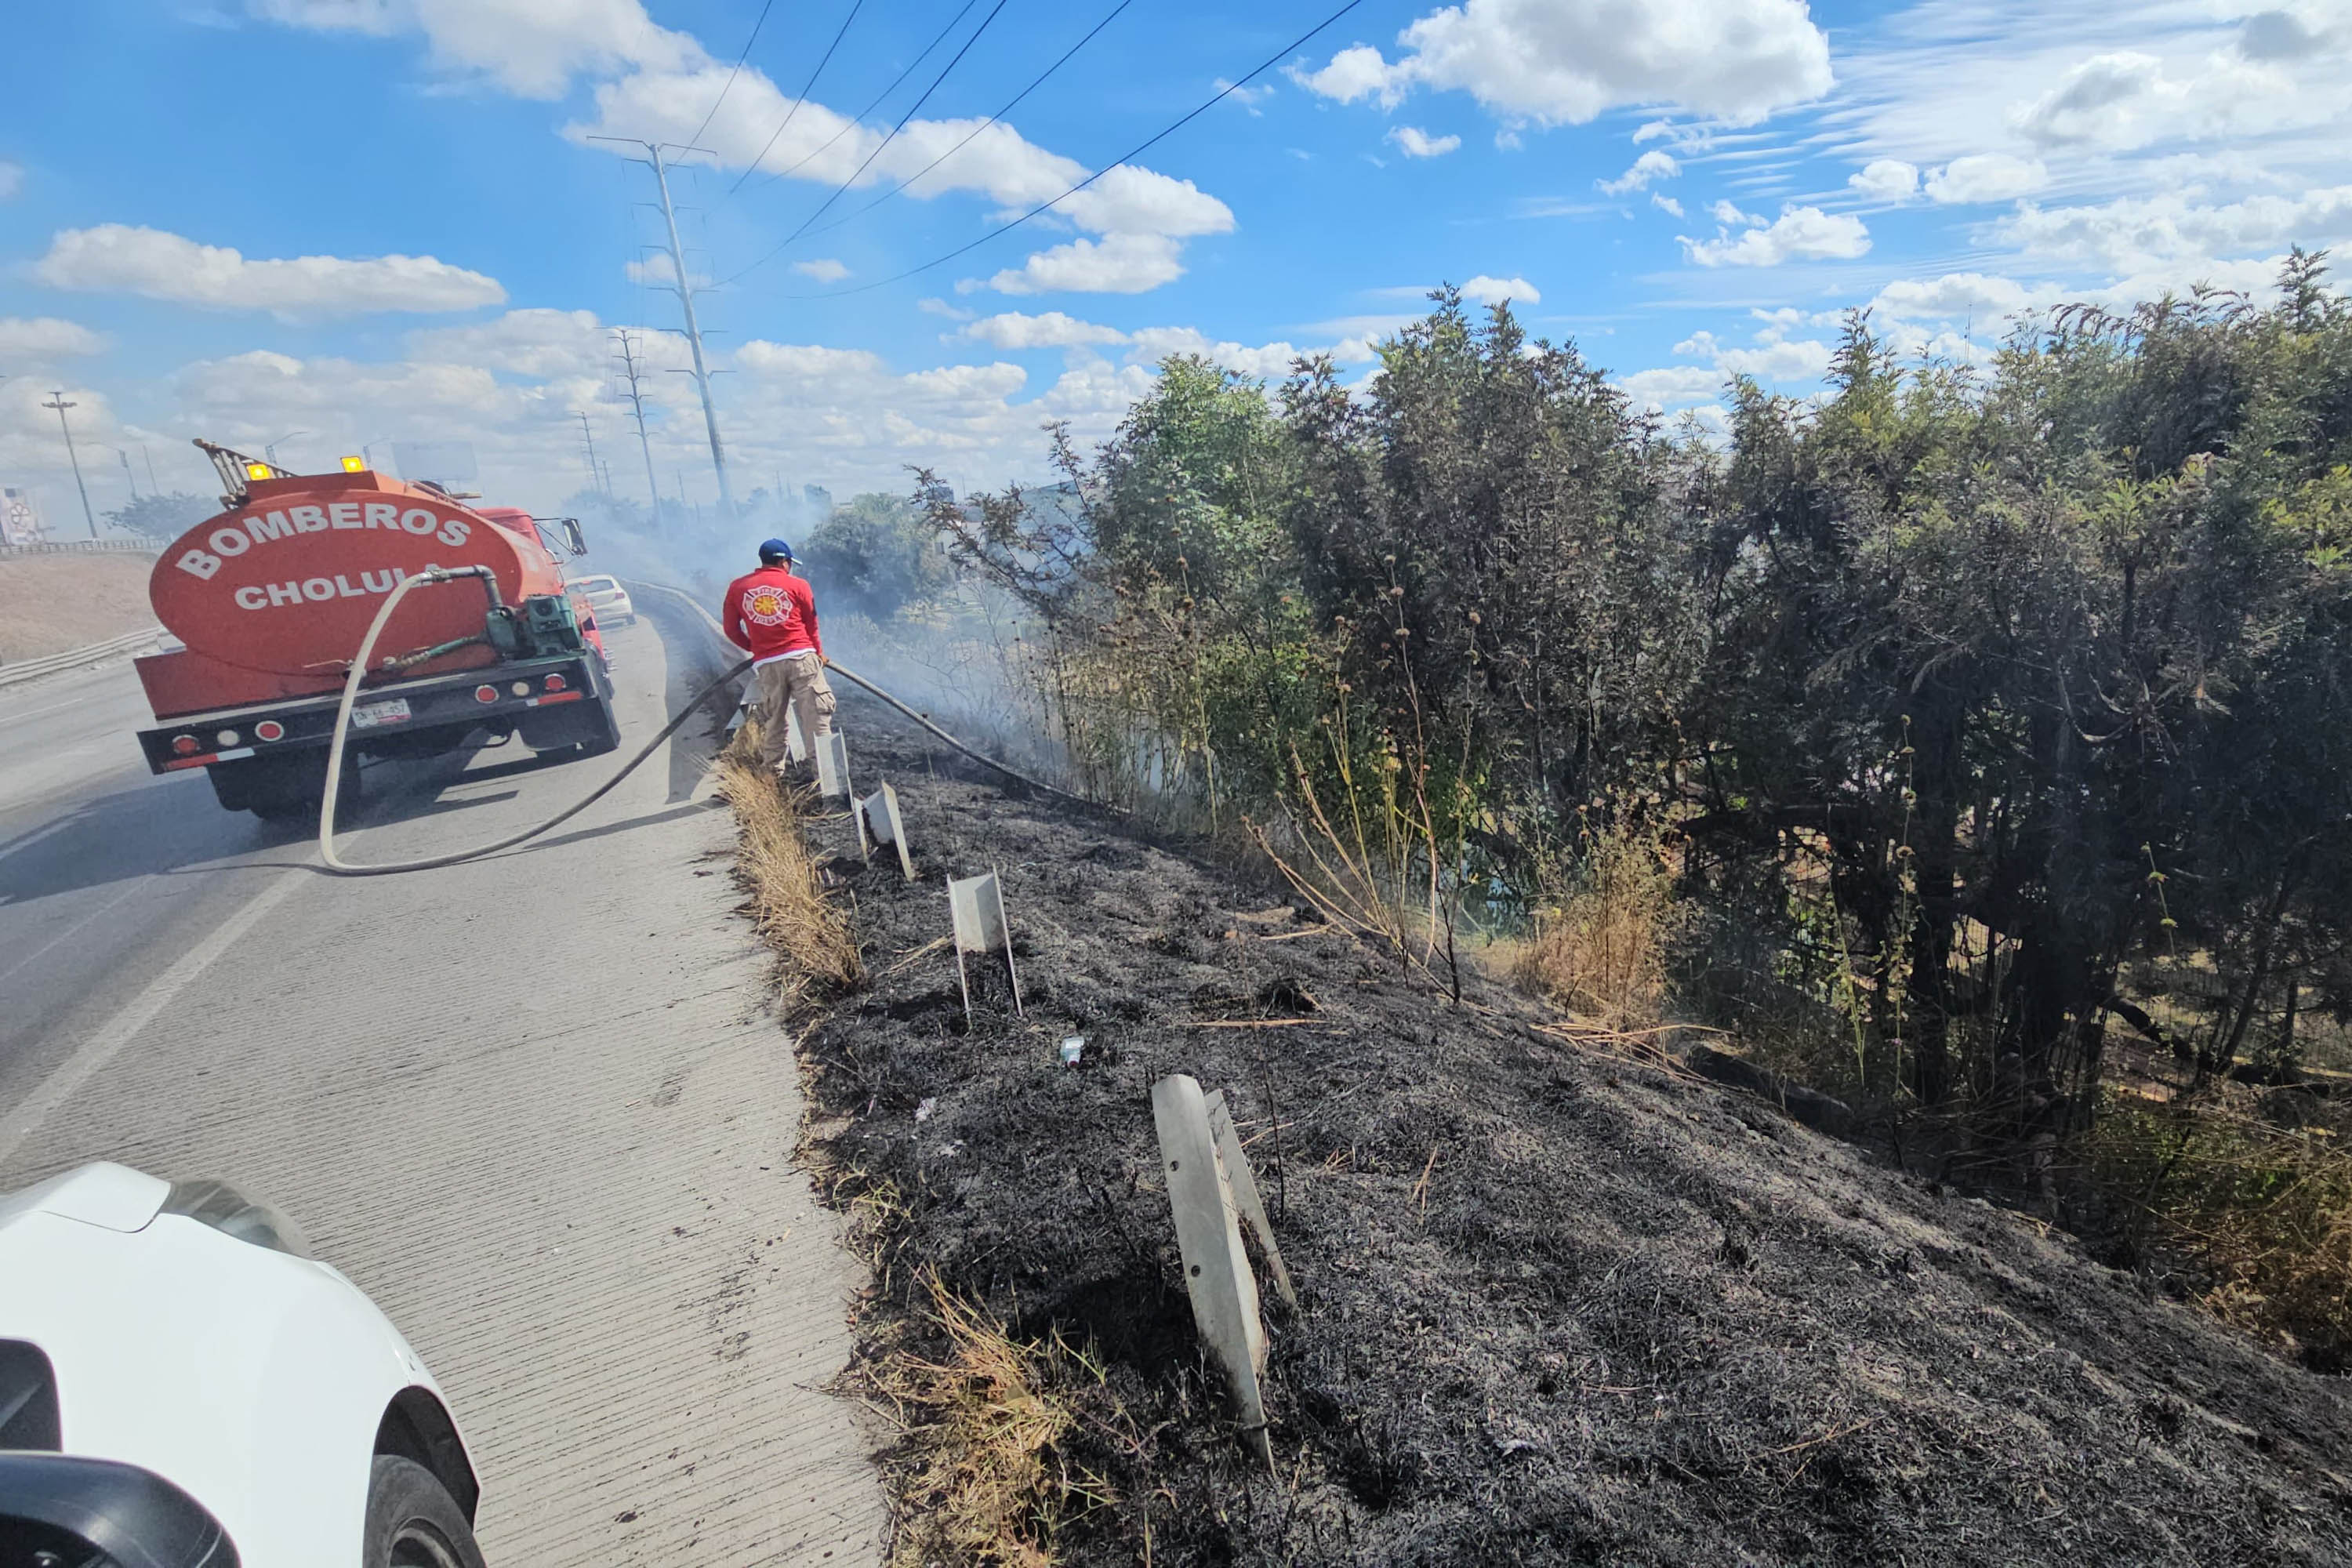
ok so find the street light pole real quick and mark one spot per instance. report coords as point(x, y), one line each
point(127, 473)
point(270, 451)
point(58, 401)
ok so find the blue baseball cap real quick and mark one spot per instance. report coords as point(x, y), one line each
point(776, 547)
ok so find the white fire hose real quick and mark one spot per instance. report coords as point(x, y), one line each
point(341, 866)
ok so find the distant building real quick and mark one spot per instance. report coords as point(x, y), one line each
point(20, 519)
point(819, 501)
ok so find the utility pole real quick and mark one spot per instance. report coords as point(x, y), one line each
point(58, 401)
point(148, 457)
point(685, 293)
point(595, 474)
point(638, 404)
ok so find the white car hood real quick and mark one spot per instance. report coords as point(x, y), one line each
point(253, 1379)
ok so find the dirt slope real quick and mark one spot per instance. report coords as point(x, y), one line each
point(50, 604)
point(1556, 1308)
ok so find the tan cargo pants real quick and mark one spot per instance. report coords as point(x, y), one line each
point(795, 682)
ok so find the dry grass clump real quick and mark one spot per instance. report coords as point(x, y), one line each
point(2265, 1210)
point(984, 1479)
point(1601, 951)
point(811, 934)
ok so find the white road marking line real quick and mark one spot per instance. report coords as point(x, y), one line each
point(124, 1025)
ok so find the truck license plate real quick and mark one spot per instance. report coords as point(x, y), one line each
point(369, 715)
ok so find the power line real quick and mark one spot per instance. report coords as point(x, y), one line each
point(859, 117)
point(733, 74)
point(1010, 105)
point(911, 111)
point(806, 88)
point(1132, 153)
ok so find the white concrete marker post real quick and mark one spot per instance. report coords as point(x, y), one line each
point(833, 765)
point(878, 822)
point(1243, 1182)
point(1209, 1238)
point(977, 906)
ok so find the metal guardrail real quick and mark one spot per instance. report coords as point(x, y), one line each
point(74, 658)
point(83, 547)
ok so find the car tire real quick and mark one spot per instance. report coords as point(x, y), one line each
point(412, 1522)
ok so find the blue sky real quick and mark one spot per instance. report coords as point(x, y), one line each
point(382, 220)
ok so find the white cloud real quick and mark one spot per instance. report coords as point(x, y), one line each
point(1665, 204)
point(2106, 101)
point(1735, 60)
point(1488, 290)
point(540, 342)
point(532, 49)
point(116, 258)
point(1651, 165)
point(1956, 296)
point(655, 271)
point(1986, 177)
point(1357, 71)
point(44, 339)
point(1270, 362)
point(2166, 233)
point(2293, 34)
point(648, 82)
point(1774, 358)
point(824, 269)
point(1799, 234)
point(1886, 180)
point(1249, 98)
point(1051, 329)
point(1414, 142)
point(1659, 390)
point(936, 307)
point(12, 179)
point(1724, 213)
point(1118, 264)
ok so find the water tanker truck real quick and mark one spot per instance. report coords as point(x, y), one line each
point(271, 599)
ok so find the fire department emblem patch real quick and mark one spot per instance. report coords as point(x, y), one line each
point(767, 607)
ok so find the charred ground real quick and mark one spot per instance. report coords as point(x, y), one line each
point(1557, 1306)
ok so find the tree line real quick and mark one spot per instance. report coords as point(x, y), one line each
point(1998, 714)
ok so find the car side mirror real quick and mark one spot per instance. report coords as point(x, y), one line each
point(573, 537)
point(95, 1510)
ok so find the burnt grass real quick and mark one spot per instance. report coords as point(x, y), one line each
point(1557, 1306)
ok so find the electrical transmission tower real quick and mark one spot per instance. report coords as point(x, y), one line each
point(595, 470)
point(638, 404)
point(58, 401)
point(684, 288)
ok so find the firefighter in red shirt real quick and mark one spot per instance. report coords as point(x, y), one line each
point(771, 616)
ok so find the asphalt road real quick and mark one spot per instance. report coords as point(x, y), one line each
point(532, 1104)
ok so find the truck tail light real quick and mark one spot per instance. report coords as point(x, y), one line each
point(521, 689)
point(184, 745)
point(269, 730)
point(555, 683)
point(226, 738)
point(486, 693)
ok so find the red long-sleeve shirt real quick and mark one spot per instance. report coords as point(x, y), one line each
point(771, 612)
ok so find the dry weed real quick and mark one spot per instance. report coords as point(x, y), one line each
point(986, 1482)
point(2264, 1209)
point(1602, 950)
point(811, 934)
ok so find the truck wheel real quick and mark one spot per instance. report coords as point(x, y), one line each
point(412, 1522)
